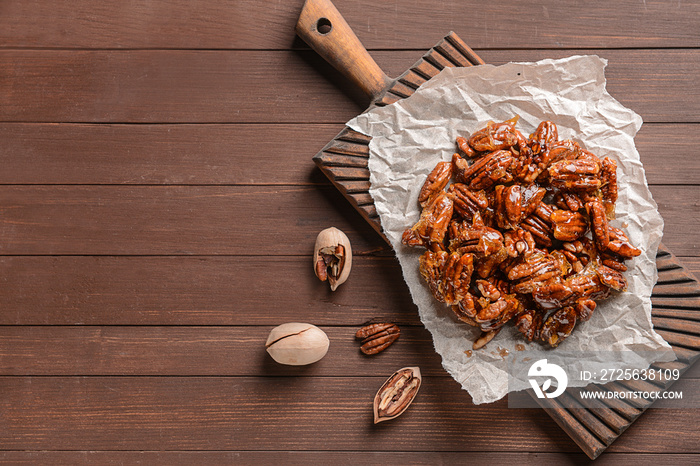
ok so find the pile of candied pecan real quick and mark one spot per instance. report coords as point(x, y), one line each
point(507, 239)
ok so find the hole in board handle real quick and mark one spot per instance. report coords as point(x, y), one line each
point(324, 26)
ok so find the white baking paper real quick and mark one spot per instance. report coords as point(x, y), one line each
point(410, 136)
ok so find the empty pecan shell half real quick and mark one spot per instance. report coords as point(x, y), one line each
point(377, 337)
point(397, 393)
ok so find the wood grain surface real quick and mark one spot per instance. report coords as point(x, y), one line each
point(228, 86)
point(158, 205)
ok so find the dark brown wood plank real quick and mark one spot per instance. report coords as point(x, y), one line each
point(676, 223)
point(669, 153)
point(389, 24)
point(304, 458)
point(228, 154)
point(222, 413)
point(180, 220)
point(224, 220)
point(235, 290)
point(162, 154)
point(230, 86)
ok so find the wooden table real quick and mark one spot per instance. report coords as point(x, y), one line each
point(158, 207)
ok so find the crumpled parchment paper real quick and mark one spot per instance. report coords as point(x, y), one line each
point(410, 136)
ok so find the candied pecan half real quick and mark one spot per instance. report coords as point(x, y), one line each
point(531, 196)
point(448, 274)
point(534, 270)
point(529, 323)
point(486, 313)
point(485, 265)
point(599, 224)
point(495, 136)
point(487, 171)
point(613, 261)
point(459, 167)
point(508, 206)
point(564, 150)
point(528, 169)
point(497, 313)
point(558, 326)
point(485, 242)
point(518, 242)
point(590, 156)
point(579, 174)
point(433, 222)
point(475, 237)
point(584, 309)
point(583, 285)
point(465, 310)
point(436, 182)
point(544, 136)
point(539, 224)
point(488, 290)
point(463, 145)
point(566, 267)
point(620, 244)
point(484, 338)
point(572, 201)
point(468, 202)
point(608, 175)
point(612, 278)
point(568, 225)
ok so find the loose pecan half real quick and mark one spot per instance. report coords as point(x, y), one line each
point(484, 338)
point(377, 337)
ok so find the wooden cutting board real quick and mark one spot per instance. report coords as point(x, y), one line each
point(676, 297)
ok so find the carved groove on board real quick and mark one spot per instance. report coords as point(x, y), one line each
point(593, 425)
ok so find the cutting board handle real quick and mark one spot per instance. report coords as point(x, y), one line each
point(325, 30)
